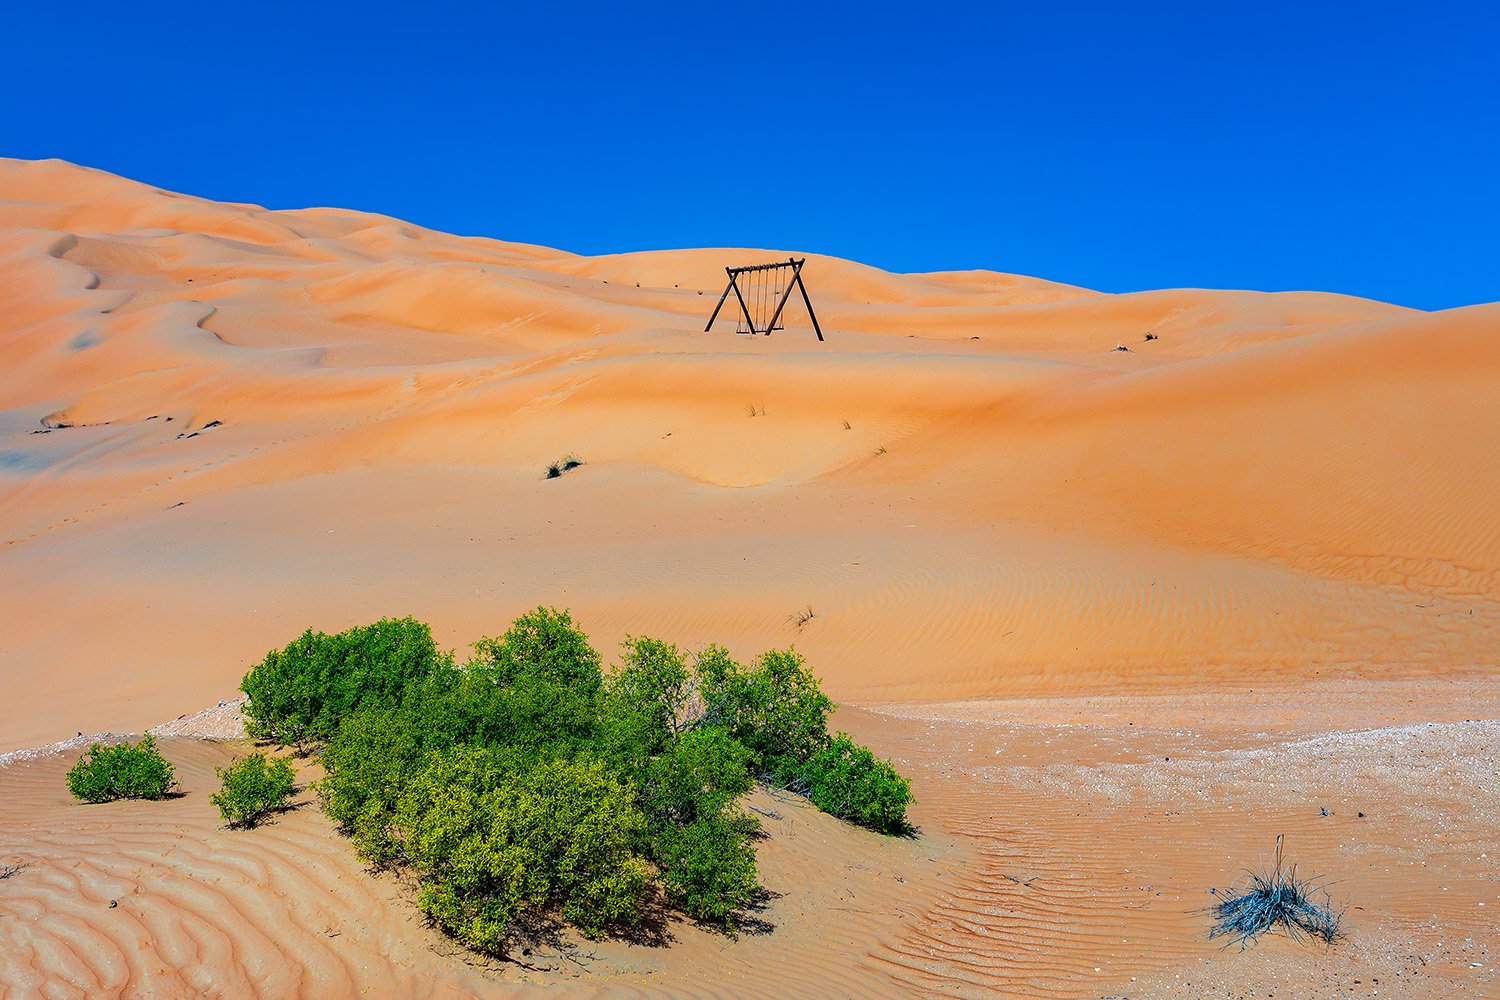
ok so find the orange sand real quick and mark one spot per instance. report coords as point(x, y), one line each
point(1281, 490)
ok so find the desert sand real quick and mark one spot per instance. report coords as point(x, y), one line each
point(1124, 615)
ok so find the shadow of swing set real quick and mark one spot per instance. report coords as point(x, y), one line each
point(762, 291)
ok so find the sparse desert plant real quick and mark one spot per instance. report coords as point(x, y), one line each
point(1276, 898)
point(122, 771)
point(10, 871)
point(800, 619)
point(567, 463)
point(1151, 336)
point(848, 426)
point(252, 788)
point(297, 695)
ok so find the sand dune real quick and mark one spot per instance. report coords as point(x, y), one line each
point(1278, 482)
point(224, 424)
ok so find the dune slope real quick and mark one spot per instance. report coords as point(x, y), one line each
point(231, 423)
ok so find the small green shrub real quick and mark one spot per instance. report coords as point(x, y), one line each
point(123, 771)
point(297, 695)
point(847, 780)
point(252, 788)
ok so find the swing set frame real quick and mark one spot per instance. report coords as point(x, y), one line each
point(756, 321)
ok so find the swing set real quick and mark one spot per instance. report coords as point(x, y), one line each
point(764, 295)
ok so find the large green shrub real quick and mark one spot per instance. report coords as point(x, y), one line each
point(299, 694)
point(545, 644)
point(526, 787)
point(253, 787)
point(849, 781)
point(496, 842)
point(375, 751)
point(123, 771)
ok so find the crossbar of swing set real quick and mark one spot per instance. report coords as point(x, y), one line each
point(735, 272)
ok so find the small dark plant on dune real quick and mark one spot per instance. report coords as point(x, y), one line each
point(125, 771)
point(252, 788)
point(567, 464)
point(1271, 899)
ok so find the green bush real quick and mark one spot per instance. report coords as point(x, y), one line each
point(495, 843)
point(653, 679)
point(253, 787)
point(847, 780)
point(298, 695)
point(123, 771)
point(708, 866)
point(526, 787)
point(776, 709)
point(375, 751)
point(701, 774)
point(543, 644)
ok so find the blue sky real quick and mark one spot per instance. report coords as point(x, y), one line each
point(1333, 146)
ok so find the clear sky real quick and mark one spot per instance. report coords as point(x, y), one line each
point(1336, 146)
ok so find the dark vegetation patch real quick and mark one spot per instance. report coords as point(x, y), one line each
point(567, 464)
point(1271, 900)
point(528, 789)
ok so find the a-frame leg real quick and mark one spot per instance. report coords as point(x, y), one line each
point(715, 315)
point(782, 304)
point(808, 302)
